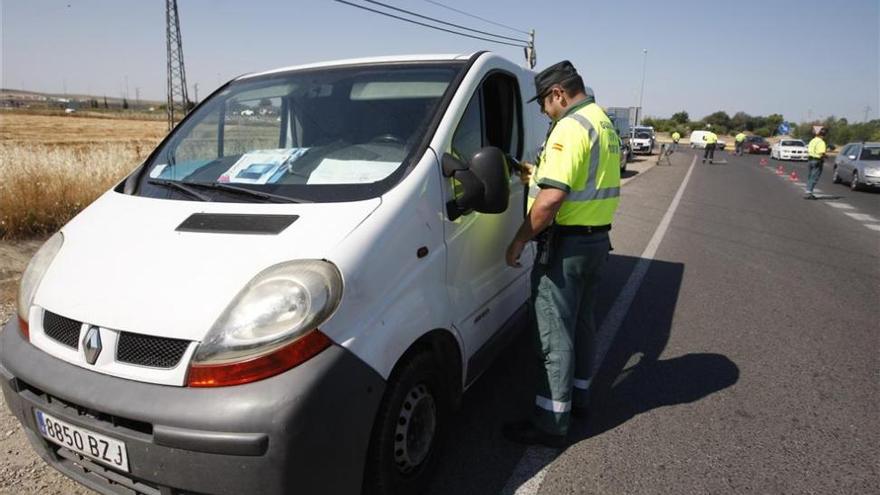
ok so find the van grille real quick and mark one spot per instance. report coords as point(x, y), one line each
point(61, 329)
point(144, 350)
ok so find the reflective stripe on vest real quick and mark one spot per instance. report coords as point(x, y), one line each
point(590, 191)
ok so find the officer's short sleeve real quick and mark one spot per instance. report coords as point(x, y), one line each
point(563, 153)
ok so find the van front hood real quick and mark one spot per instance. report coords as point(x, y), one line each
point(125, 265)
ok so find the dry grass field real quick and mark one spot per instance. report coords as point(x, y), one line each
point(52, 166)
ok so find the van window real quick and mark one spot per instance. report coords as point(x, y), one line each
point(251, 124)
point(325, 135)
point(468, 137)
point(492, 118)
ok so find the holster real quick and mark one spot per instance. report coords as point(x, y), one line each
point(546, 244)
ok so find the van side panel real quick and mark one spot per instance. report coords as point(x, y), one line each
point(483, 291)
point(392, 296)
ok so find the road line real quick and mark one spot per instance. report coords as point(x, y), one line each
point(842, 206)
point(862, 217)
point(532, 466)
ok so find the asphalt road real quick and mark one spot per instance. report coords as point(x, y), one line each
point(746, 363)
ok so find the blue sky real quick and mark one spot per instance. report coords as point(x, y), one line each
point(799, 58)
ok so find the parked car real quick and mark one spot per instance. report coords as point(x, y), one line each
point(859, 165)
point(302, 328)
point(642, 142)
point(644, 128)
point(625, 154)
point(756, 145)
point(789, 149)
point(697, 142)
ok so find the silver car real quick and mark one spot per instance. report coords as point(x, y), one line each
point(859, 165)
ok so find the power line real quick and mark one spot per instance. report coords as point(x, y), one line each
point(477, 17)
point(443, 22)
point(430, 26)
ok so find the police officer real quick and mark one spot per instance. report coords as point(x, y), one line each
point(711, 138)
point(740, 139)
point(816, 151)
point(573, 195)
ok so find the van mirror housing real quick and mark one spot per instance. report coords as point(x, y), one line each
point(485, 182)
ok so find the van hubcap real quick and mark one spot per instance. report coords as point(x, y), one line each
point(416, 425)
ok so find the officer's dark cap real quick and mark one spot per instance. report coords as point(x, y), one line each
point(558, 73)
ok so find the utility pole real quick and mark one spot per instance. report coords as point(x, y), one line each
point(178, 102)
point(867, 112)
point(531, 57)
point(642, 91)
point(196, 89)
point(137, 95)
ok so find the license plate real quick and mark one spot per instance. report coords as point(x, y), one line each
point(86, 442)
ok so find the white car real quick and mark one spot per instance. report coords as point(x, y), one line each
point(308, 326)
point(642, 142)
point(789, 149)
point(697, 142)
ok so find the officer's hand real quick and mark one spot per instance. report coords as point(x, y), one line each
point(525, 172)
point(514, 250)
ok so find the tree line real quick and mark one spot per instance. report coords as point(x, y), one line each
point(840, 131)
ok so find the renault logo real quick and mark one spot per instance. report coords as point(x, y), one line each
point(92, 344)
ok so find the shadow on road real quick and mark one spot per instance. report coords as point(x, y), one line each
point(632, 380)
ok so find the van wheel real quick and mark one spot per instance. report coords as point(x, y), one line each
point(409, 425)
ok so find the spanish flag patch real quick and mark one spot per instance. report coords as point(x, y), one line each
point(556, 146)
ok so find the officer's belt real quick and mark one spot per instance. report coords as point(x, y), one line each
point(571, 230)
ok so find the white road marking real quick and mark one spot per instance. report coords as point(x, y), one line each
point(862, 217)
point(532, 466)
point(873, 226)
point(842, 206)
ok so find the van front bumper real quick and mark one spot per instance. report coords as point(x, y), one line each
point(303, 431)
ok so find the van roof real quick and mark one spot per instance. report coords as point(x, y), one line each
point(365, 60)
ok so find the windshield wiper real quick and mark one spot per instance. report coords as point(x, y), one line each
point(245, 191)
point(180, 186)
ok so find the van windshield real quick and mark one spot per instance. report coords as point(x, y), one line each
point(334, 134)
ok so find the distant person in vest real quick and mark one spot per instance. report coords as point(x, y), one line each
point(711, 139)
point(816, 152)
point(740, 140)
point(574, 192)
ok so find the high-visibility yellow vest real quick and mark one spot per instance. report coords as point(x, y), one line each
point(740, 137)
point(675, 137)
point(816, 149)
point(710, 138)
point(581, 157)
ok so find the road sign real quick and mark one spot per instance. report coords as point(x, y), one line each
point(783, 128)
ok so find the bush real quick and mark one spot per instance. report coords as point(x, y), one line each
point(763, 131)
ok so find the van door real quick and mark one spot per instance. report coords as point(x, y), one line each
point(484, 292)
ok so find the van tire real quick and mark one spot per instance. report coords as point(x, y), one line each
point(416, 391)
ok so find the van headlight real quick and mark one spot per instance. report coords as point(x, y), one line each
point(33, 275)
point(270, 326)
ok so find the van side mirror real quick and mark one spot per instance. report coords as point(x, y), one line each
point(485, 182)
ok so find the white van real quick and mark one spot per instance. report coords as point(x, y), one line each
point(698, 141)
point(288, 302)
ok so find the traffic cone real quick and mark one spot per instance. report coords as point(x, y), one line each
point(780, 170)
point(793, 176)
